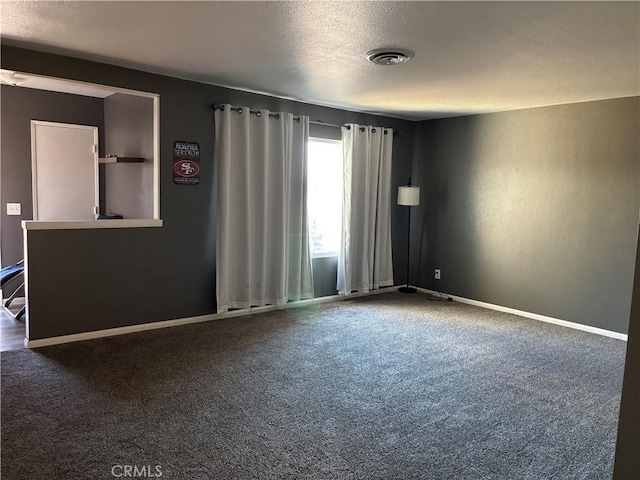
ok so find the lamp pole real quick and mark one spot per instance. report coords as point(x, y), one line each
point(408, 196)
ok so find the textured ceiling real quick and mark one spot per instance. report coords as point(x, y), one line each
point(470, 57)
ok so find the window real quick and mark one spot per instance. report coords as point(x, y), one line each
point(325, 196)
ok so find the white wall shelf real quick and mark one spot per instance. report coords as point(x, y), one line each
point(120, 160)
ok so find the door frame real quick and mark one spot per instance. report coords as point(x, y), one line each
point(34, 161)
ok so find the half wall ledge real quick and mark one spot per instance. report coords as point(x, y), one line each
point(90, 224)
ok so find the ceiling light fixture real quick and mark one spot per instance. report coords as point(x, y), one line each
point(389, 56)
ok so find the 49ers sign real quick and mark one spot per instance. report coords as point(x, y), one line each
point(186, 163)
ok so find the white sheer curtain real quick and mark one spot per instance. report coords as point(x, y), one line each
point(262, 255)
point(365, 261)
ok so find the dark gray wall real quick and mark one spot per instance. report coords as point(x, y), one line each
point(132, 276)
point(128, 187)
point(535, 209)
point(627, 464)
point(325, 276)
point(18, 107)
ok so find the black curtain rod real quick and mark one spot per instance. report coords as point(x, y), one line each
point(362, 129)
point(258, 113)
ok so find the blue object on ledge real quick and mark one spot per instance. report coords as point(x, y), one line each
point(110, 216)
point(10, 273)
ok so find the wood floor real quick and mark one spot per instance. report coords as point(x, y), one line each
point(11, 330)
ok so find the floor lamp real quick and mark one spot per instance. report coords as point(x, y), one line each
point(408, 196)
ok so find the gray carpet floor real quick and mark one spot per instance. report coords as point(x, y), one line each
point(390, 386)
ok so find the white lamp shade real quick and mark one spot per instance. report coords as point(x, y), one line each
point(409, 196)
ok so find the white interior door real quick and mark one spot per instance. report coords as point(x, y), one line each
point(65, 171)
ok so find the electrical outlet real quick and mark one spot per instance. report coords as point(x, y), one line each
point(437, 274)
point(14, 209)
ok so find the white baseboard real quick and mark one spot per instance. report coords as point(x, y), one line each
point(78, 337)
point(533, 316)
